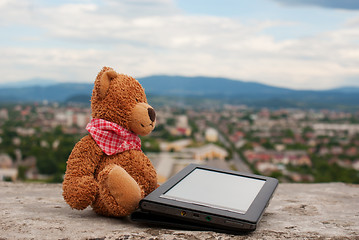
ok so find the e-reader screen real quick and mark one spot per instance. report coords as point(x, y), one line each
point(219, 190)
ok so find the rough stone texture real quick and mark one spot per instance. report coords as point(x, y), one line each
point(297, 211)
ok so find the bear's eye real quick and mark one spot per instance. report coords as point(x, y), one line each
point(137, 100)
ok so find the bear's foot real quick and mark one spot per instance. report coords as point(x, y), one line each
point(119, 193)
point(124, 188)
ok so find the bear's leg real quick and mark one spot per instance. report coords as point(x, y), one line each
point(119, 192)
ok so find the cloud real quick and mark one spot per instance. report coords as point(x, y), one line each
point(337, 4)
point(73, 41)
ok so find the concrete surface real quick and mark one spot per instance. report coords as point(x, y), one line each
point(297, 211)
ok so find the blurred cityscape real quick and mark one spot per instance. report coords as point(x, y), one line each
point(292, 145)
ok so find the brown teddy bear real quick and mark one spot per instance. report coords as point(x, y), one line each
point(107, 169)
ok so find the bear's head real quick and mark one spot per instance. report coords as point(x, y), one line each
point(120, 99)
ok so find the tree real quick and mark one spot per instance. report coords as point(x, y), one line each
point(288, 133)
point(171, 122)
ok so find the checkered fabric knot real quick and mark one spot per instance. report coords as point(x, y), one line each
point(112, 138)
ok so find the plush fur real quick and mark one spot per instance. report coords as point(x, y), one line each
point(112, 185)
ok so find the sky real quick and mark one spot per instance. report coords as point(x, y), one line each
point(297, 44)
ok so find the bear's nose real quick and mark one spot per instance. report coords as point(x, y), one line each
point(151, 114)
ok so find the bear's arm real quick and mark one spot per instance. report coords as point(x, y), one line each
point(79, 186)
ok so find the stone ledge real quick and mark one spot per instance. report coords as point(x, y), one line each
point(297, 211)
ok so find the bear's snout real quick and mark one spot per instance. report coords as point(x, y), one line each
point(143, 119)
point(151, 114)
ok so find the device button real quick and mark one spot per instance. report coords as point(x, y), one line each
point(234, 223)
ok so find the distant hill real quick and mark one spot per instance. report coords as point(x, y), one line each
point(346, 89)
point(250, 93)
point(57, 92)
point(222, 89)
point(41, 82)
point(208, 87)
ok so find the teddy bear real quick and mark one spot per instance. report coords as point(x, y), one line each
point(107, 169)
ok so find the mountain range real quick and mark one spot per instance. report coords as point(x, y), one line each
point(222, 89)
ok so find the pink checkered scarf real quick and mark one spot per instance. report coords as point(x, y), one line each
point(112, 138)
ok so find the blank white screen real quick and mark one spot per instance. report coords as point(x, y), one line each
point(218, 190)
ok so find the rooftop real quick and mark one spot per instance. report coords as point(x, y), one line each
point(311, 211)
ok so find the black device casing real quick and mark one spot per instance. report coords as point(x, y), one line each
point(165, 212)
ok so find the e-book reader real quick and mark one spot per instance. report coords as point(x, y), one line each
point(202, 197)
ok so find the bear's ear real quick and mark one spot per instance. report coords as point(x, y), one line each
point(105, 80)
